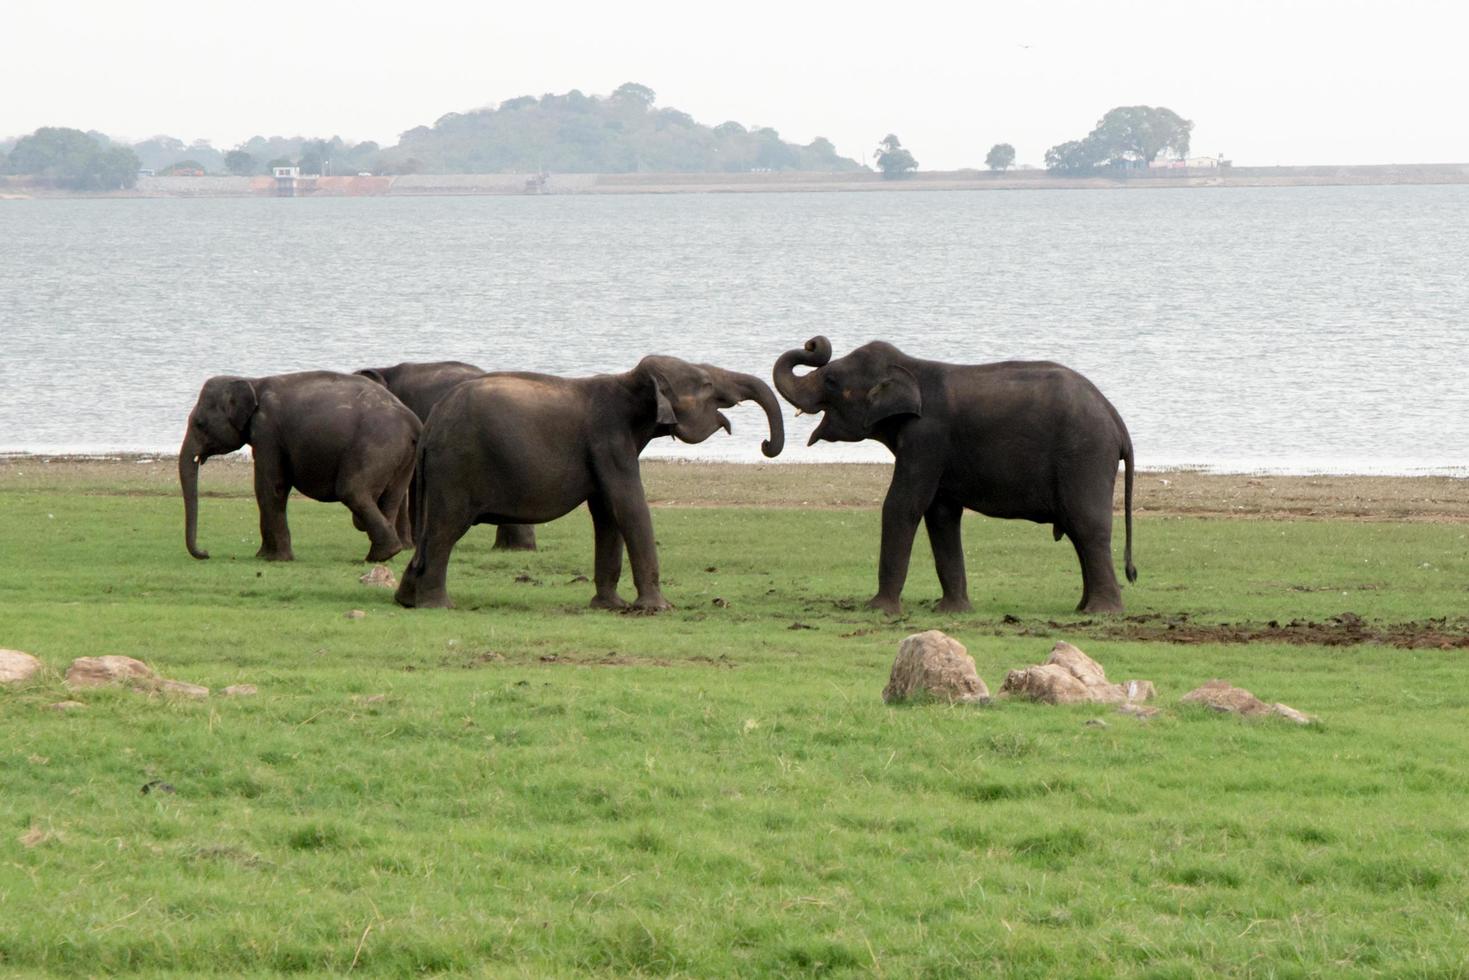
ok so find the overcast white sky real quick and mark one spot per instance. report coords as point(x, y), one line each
point(1265, 82)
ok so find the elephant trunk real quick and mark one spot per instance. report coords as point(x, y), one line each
point(189, 460)
point(803, 392)
point(747, 387)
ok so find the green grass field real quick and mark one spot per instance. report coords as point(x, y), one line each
point(544, 790)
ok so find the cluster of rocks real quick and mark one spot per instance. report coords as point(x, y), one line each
point(17, 667)
point(934, 666)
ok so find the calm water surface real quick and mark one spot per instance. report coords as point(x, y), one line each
point(1315, 329)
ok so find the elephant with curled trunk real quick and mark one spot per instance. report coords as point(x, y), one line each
point(528, 448)
point(1021, 439)
point(420, 386)
point(334, 437)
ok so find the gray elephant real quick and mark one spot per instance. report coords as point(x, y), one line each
point(528, 448)
point(420, 386)
point(334, 437)
point(1021, 439)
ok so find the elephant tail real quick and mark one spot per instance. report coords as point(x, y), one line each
point(1130, 568)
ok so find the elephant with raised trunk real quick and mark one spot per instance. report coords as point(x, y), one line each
point(528, 448)
point(420, 386)
point(1020, 439)
point(334, 437)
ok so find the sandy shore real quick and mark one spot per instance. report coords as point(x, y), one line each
point(699, 484)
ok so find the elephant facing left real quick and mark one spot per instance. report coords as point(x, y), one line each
point(334, 437)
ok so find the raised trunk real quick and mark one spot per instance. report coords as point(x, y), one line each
point(189, 483)
point(735, 387)
point(803, 392)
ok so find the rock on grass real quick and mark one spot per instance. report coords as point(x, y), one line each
point(1071, 677)
point(936, 666)
point(1222, 696)
point(17, 667)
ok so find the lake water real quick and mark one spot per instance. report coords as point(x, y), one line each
point(1289, 329)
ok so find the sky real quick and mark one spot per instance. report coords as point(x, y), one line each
point(1280, 82)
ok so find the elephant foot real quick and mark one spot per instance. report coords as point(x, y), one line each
point(647, 605)
point(275, 555)
point(413, 599)
point(515, 537)
point(614, 602)
point(954, 604)
point(1101, 607)
point(383, 553)
point(893, 607)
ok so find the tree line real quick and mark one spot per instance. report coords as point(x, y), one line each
point(625, 132)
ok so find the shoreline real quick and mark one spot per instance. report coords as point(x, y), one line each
point(697, 484)
point(524, 185)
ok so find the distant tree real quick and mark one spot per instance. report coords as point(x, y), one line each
point(74, 159)
point(279, 162)
point(1127, 134)
point(509, 105)
point(892, 159)
point(631, 93)
point(240, 163)
point(1000, 157)
point(1074, 157)
point(1141, 132)
point(310, 163)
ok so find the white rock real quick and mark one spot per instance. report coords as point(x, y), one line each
point(17, 667)
point(934, 665)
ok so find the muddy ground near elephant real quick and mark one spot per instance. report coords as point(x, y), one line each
point(669, 483)
point(1346, 629)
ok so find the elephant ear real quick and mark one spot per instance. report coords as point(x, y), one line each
point(666, 415)
point(896, 394)
point(239, 403)
point(374, 375)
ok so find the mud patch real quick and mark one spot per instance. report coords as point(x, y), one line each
point(1345, 629)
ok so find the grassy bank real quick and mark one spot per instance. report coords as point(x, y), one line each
point(523, 786)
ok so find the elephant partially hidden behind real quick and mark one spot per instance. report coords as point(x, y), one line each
point(1022, 439)
point(334, 437)
point(420, 386)
point(528, 448)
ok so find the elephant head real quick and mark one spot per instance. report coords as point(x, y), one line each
point(219, 423)
point(688, 399)
point(857, 393)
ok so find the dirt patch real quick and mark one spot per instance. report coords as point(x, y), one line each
point(1346, 629)
point(672, 483)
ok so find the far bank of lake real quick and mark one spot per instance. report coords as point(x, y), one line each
point(437, 185)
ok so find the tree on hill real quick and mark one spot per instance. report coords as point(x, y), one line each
point(240, 163)
point(576, 133)
point(1000, 157)
point(184, 168)
point(74, 159)
point(1125, 135)
point(892, 159)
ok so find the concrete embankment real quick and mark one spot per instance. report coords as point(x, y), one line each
point(427, 185)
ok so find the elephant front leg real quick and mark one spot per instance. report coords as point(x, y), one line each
point(630, 511)
point(909, 496)
point(943, 520)
point(608, 563)
point(271, 493)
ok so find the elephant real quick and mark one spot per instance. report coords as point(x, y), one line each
point(528, 448)
point(1030, 440)
point(334, 437)
point(420, 386)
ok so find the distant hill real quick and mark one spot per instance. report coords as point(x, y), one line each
point(576, 133)
point(567, 134)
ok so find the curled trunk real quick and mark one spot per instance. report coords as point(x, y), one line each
point(189, 484)
point(803, 392)
point(736, 387)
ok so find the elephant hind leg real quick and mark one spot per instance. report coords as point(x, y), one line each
point(1100, 592)
point(393, 502)
point(380, 531)
point(423, 585)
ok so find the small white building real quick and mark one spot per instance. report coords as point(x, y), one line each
point(287, 173)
